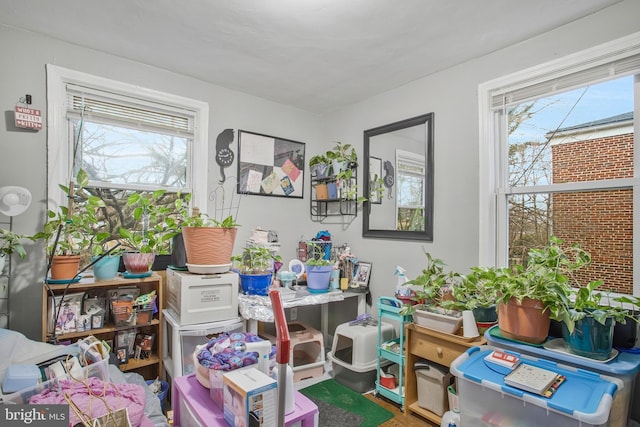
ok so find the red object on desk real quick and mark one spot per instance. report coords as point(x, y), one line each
point(193, 406)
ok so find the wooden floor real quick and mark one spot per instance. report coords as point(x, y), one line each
point(400, 418)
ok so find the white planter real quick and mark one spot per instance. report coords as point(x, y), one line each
point(448, 321)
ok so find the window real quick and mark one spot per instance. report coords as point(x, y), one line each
point(558, 158)
point(410, 188)
point(126, 138)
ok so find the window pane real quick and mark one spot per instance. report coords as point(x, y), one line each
point(120, 155)
point(581, 135)
point(600, 221)
point(410, 190)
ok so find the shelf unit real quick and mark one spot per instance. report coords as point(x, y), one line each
point(335, 204)
point(389, 308)
point(150, 367)
point(433, 346)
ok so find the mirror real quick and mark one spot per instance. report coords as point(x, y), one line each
point(398, 161)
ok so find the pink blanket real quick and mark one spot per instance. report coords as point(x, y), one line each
point(117, 396)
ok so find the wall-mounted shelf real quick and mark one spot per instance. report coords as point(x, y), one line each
point(328, 203)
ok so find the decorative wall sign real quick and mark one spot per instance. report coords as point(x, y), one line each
point(270, 166)
point(28, 118)
point(224, 155)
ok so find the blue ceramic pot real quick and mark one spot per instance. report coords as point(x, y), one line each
point(318, 277)
point(256, 284)
point(106, 268)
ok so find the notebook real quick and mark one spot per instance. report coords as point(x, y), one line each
point(534, 379)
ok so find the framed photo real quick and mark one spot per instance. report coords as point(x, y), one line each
point(122, 354)
point(97, 320)
point(363, 273)
point(375, 180)
point(270, 166)
point(126, 338)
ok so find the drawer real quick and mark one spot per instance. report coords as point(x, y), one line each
point(435, 349)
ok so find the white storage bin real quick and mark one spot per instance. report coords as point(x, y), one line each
point(202, 298)
point(181, 340)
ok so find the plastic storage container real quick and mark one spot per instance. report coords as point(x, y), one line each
point(98, 370)
point(584, 399)
point(180, 341)
point(432, 383)
point(202, 298)
point(624, 367)
point(354, 354)
point(307, 351)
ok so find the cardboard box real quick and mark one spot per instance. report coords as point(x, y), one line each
point(250, 398)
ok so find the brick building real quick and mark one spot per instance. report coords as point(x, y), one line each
point(600, 221)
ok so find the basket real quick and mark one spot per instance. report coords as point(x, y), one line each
point(144, 312)
point(123, 314)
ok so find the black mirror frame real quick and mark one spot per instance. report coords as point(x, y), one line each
point(427, 234)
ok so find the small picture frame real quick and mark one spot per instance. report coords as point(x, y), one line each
point(122, 354)
point(97, 321)
point(363, 273)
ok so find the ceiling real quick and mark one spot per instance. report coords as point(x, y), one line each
point(317, 55)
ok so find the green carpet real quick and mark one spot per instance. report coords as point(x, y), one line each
point(361, 412)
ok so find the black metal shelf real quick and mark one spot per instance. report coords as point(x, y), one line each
point(322, 208)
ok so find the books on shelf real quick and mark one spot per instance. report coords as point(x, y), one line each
point(534, 379)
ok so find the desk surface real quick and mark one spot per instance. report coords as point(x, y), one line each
point(258, 307)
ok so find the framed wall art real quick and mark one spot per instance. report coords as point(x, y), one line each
point(270, 166)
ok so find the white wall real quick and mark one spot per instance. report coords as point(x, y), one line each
point(451, 95)
point(23, 153)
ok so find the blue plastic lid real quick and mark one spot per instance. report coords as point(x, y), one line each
point(582, 392)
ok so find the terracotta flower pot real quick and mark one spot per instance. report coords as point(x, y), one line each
point(209, 245)
point(64, 267)
point(524, 321)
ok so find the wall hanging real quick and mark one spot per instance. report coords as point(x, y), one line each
point(270, 166)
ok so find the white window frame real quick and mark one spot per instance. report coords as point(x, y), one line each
point(59, 152)
point(493, 157)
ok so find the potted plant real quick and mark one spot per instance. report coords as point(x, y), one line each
point(343, 157)
point(71, 230)
point(256, 267)
point(318, 270)
point(588, 324)
point(432, 288)
point(529, 297)
point(319, 165)
point(208, 242)
point(477, 292)
point(151, 233)
point(11, 243)
point(106, 260)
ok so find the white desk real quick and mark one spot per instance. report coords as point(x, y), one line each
point(255, 308)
